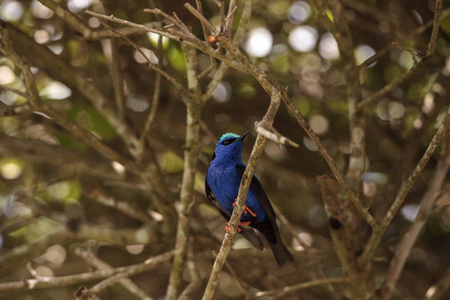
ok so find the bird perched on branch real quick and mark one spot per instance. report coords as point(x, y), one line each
point(222, 184)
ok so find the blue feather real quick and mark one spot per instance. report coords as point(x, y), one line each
point(222, 185)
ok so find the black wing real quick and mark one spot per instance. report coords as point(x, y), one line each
point(268, 228)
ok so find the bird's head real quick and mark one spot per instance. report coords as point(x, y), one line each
point(229, 147)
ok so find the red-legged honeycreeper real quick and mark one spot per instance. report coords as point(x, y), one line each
point(222, 185)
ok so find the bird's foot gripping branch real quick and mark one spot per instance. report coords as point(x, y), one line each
point(239, 228)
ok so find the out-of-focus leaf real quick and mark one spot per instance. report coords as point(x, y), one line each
point(171, 163)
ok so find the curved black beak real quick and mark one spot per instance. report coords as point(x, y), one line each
point(242, 136)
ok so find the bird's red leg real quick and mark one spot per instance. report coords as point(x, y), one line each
point(246, 209)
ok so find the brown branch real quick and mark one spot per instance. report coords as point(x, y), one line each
point(378, 232)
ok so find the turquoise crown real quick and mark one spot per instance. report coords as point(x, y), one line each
point(228, 135)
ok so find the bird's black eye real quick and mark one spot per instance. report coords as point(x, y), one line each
point(227, 142)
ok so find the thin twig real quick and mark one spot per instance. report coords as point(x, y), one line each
point(202, 18)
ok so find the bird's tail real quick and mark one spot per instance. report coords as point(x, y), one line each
point(273, 237)
point(281, 253)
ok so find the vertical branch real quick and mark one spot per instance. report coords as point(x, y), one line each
point(341, 31)
point(344, 223)
point(258, 147)
point(117, 79)
point(190, 167)
point(435, 31)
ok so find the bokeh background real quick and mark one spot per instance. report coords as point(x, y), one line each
point(48, 175)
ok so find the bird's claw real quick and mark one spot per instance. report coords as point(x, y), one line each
point(239, 228)
point(246, 209)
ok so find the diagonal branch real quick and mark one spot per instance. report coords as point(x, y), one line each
point(410, 237)
point(378, 232)
point(258, 148)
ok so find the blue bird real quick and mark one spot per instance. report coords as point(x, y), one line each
point(222, 184)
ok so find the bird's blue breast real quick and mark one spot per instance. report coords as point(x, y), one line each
point(224, 182)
